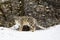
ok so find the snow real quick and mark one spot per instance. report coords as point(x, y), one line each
point(52, 33)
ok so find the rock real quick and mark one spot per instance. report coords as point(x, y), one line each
point(46, 12)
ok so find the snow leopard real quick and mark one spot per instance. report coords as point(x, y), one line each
point(29, 21)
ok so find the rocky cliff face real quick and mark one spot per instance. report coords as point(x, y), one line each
point(46, 12)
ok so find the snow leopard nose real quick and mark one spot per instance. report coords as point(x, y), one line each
point(26, 28)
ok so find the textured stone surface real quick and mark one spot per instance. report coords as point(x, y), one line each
point(46, 12)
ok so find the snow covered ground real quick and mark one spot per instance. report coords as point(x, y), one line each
point(52, 33)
